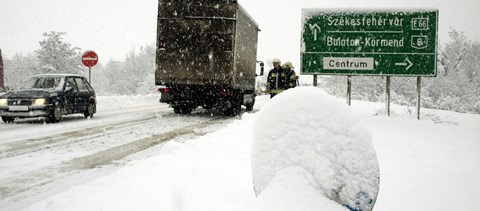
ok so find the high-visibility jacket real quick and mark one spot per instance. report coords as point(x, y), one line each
point(291, 78)
point(276, 81)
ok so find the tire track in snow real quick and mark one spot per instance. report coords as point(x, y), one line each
point(36, 144)
point(39, 143)
point(11, 188)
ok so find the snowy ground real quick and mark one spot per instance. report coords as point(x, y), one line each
point(427, 164)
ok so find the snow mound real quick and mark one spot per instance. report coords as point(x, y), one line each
point(309, 129)
point(291, 189)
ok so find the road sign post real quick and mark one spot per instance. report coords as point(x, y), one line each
point(387, 96)
point(419, 87)
point(1, 72)
point(89, 59)
point(349, 90)
point(385, 42)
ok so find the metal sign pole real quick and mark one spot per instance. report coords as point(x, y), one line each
point(90, 75)
point(419, 87)
point(349, 90)
point(1, 72)
point(314, 80)
point(387, 90)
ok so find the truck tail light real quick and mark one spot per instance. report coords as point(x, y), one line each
point(223, 93)
point(164, 90)
point(227, 93)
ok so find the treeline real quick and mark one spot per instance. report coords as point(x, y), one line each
point(133, 75)
point(53, 56)
point(456, 87)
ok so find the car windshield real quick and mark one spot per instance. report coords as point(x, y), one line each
point(44, 83)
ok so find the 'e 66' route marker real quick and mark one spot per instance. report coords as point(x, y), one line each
point(369, 42)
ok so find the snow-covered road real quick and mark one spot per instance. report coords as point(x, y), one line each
point(35, 154)
point(427, 164)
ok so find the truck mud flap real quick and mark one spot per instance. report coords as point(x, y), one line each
point(166, 98)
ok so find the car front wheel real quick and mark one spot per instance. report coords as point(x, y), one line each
point(7, 119)
point(56, 113)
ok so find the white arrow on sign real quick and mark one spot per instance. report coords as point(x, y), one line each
point(315, 29)
point(407, 63)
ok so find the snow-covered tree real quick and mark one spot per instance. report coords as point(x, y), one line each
point(456, 87)
point(135, 75)
point(57, 56)
point(143, 68)
point(19, 69)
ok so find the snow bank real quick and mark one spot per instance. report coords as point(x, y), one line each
point(210, 172)
point(317, 135)
point(291, 189)
point(431, 164)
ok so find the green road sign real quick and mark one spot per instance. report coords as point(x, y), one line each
point(369, 42)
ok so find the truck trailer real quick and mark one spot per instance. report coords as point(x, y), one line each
point(206, 55)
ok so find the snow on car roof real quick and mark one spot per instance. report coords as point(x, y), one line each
point(58, 74)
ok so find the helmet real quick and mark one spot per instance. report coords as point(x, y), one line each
point(276, 61)
point(288, 64)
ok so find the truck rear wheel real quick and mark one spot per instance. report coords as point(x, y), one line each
point(249, 106)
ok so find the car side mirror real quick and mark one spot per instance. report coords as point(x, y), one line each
point(262, 65)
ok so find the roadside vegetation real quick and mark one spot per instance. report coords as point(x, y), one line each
point(456, 87)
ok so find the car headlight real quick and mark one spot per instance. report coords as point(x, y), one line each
point(3, 102)
point(39, 102)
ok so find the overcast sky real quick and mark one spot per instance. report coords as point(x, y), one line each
point(114, 27)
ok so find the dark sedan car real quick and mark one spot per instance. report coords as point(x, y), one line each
point(49, 96)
